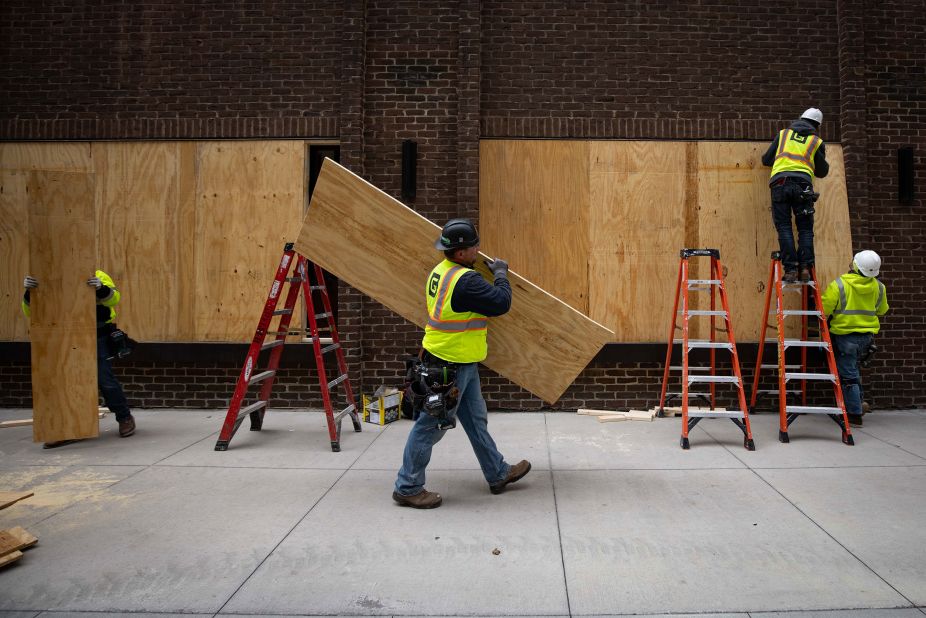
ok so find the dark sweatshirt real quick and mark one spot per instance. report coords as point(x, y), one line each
point(473, 293)
point(821, 167)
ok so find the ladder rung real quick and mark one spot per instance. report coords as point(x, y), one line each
point(774, 391)
point(260, 377)
point(811, 410)
point(321, 340)
point(704, 343)
point(272, 344)
point(690, 394)
point(282, 312)
point(319, 316)
point(812, 312)
point(346, 410)
point(798, 343)
point(337, 381)
point(717, 413)
point(254, 407)
point(714, 379)
point(704, 312)
point(776, 366)
point(698, 368)
point(333, 346)
point(798, 284)
point(692, 282)
point(810, 376)
point(294, 279)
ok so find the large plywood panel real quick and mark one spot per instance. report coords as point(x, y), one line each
point(144, 228)
point(62, 254)
point(52, 156)
point(535, 212)
point(249, 203)
point(637, 224)
point(541, 344)
point(833, 246)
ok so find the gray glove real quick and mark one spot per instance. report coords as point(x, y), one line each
point(499, 268)
point(30, 283)
point(95, 283)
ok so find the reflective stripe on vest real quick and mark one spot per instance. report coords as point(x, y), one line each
point(453, 326)
point(843, 302)
point(793, 156)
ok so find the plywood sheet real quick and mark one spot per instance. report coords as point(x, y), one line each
point(9, 498)
point(144, 227)
point(541, 344)
point(637, 224)
point(833, 246)
point(249, 203)
point(62, 253)
point(537, 195)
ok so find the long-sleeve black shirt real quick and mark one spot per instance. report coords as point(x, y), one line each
point(821, 167)
point(473, 293)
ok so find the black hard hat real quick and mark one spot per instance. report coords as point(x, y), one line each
point(457, 234)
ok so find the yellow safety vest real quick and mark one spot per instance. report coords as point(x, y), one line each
point(452, 336)
point(855, 302)
point(110, 302)
point(795, 152)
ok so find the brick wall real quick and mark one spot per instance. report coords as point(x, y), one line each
point(374, 72)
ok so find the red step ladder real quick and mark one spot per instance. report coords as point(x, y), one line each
point(248, 377)
point(810, 296)
point(684, 285)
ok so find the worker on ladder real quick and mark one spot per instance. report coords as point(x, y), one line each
point(107, 297)
point(796, 156)
point(459, 302)
point(854, 302)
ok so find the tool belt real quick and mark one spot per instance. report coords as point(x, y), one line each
point(118, 344)
point(799, 191)
point(433, 384)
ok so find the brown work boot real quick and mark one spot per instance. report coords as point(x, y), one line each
point(127, 427)
point(805, 274)
point(855, 420)
point(866, 408)
point(424, 500)
point(790, 277)
point(515, 474)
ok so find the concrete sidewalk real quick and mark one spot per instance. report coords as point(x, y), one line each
point(613, 519)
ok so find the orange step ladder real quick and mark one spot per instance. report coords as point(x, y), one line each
point(713, 284)
point(300, 281)
point(810, 296)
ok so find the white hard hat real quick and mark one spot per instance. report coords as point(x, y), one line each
point(867, 263)
point(813, 114)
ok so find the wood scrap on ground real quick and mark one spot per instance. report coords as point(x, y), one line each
point(8, 498)
point(12, 541)
point(614, 416)
point(26, 422)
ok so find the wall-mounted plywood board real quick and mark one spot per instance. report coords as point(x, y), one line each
point(537, 217)
point(63, 323)
point(541, 344)
point(249, 203)
point(145, 233)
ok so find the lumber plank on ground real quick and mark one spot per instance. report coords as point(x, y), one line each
point(25, 422)
point(592, 412)
point(541, 344)
point(10, 558)
point(612, 418)
point(8, 498)
point(24, 539)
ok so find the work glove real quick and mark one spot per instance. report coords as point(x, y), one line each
point(95, 283)
point(499, 268)
point(30, 283)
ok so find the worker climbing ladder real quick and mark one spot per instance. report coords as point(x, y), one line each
point(810, 297)
point(299, 281)
point(715, 285)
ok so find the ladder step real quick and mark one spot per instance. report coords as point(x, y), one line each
point(714, 379)
point(692, 282)
point(319, 316)
point(346, 410)
point(776, 367)
point(679, 368)
point(812, 312)
point(294, 279)
point(260, 377)
point(333, 346)
point(717, 413)
point(283, 312)
point(254, 407)
point(798, 343)
point(272, 344)
point(316, 288)
point(810, 376)
point(774, 391)
point(704, 343)
point(798, 284)
point(337, 381)
point(690, 394)
point(704, 312)
point(812, 410)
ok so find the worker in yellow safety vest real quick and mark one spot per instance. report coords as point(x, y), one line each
point(107, 297)
point(460, 302)
point(853, 303)
point(797, 155)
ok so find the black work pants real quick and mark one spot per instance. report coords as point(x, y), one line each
point(786, 199)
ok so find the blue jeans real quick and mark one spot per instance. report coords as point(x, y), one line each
point(848, 348)
point(473, 415)
point(109, 385)
point(785, 200)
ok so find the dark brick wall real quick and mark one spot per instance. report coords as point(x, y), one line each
point(445, 74)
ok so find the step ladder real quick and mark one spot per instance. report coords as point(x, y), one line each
point(810, 297)
point(703, 375)
point(248, 377)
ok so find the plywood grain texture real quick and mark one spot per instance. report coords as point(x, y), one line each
point(541, 344)
point(62, 252)
point(249, 203)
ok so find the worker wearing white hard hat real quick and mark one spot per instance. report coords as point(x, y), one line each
point(855, 301)
point(797, 155)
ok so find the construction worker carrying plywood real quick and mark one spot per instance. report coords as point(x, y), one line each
point(459, 304)
point(796, 156)
point(854, 302)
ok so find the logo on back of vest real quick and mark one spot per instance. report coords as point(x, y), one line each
point(433, 284)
